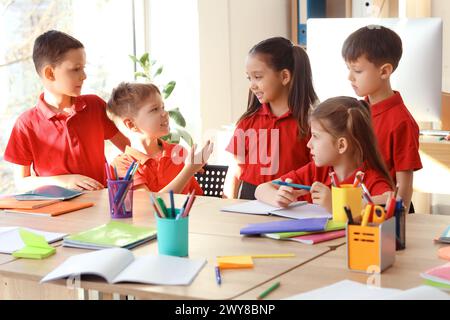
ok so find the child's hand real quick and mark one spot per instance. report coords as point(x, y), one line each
point(286, 195)
point(321, 195)
point(197, 160)
point(80, 182)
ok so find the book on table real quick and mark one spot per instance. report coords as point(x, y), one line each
point(120, 265)
point(54, 209)
point(296, 210)
point(49, 192)
point(13, 203)
point(111, 235)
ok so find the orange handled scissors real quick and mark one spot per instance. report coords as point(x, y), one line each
point(373, 213)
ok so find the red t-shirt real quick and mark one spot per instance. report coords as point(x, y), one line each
point(156, 173)
point(307, 175)
point(57, 144)
point(397, 133)
point(268, 146)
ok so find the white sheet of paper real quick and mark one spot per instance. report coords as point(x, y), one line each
point(11, 241)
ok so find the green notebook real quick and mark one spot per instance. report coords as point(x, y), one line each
point(111, 235)
point(331, 226)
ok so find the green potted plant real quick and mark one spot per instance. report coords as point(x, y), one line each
point(146, 66)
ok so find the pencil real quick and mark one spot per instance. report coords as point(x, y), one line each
point(268, 290)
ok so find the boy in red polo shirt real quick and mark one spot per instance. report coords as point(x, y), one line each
point(139, 107)
point(62, 137)
point(372, 54)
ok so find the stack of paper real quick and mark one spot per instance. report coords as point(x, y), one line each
point(110, 235)
point(350, 290)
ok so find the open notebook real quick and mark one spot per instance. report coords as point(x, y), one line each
point(351, 290)
point(11, 241)
point(297, 210)
point(120, 265)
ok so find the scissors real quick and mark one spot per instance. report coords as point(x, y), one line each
point(373, 213)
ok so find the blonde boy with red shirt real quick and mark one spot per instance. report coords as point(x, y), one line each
point(372, 54)
point(62, 137)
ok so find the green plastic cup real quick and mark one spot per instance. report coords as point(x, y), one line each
point(172, 235)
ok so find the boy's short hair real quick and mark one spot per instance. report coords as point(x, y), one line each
point(379, 44)
point(127, 98)
point(50, 48)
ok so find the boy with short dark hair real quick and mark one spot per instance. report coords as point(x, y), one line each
point(62, 137)
point(372, 54)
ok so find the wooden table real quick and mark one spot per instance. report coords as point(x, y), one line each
point(212, 233)
point(420, 254)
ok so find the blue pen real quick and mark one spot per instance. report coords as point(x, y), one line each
point(293, 185)
point(218, 276)
point(172, 203)
point(180, 214)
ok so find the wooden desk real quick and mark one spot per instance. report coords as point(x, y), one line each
point(420, 254)
point(205, 239)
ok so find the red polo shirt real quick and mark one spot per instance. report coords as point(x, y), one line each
point(397, 133)
point(268, 146)
point(307, 175)
point(56, 144)
point(156, 173)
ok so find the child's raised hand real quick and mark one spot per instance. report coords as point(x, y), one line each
point(286, 195)
point(198, 159)
point(321, 195)
point(80, 182)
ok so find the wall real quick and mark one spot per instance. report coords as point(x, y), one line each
point(228, 29)
point(441, 8)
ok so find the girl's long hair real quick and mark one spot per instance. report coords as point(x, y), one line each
point(350, 118)
point(279, 54)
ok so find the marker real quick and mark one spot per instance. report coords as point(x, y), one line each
point(293, 185)
point(163, 206)
point(218, 276)
point(334, 179)
point(348, 212)
point(269, 290)
point(366, 193)
point(172, 203)
point(359, 177)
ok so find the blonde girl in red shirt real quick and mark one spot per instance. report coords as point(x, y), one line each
point(342, 141)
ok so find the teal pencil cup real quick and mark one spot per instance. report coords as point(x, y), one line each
point(172, 235)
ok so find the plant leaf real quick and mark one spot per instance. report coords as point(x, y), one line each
point(145, 59)
point(176, 115)
point(175, 137)
point(158, 72)
point(168, 88)
point(141, 74)
point(135, 60)
point(185, 135)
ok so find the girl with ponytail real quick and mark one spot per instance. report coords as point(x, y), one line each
point(343, 141)
point(271, 136)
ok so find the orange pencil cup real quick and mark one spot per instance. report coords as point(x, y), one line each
point(346, 195)
point(371, 249)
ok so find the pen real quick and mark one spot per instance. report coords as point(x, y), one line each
point(218, 276)
point(366, 193)
point(155, 207)
point(359, 176)
point(172, 203)
point(268, 290)
point(334, 179)
point(293, 185)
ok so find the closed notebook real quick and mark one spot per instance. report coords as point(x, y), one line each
point(296, 210)
point(318, 237)
point(312, 224)
point(55, 209)
point(331, 226)
point(49, 192)
point(120, 265)
point(110, 235)
point(12, 203)
point(438, 276)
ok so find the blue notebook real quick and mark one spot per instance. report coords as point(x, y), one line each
point(48, 193)
point(313, 224)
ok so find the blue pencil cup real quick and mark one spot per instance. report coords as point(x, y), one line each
point(120, 196)
point(172, 236)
